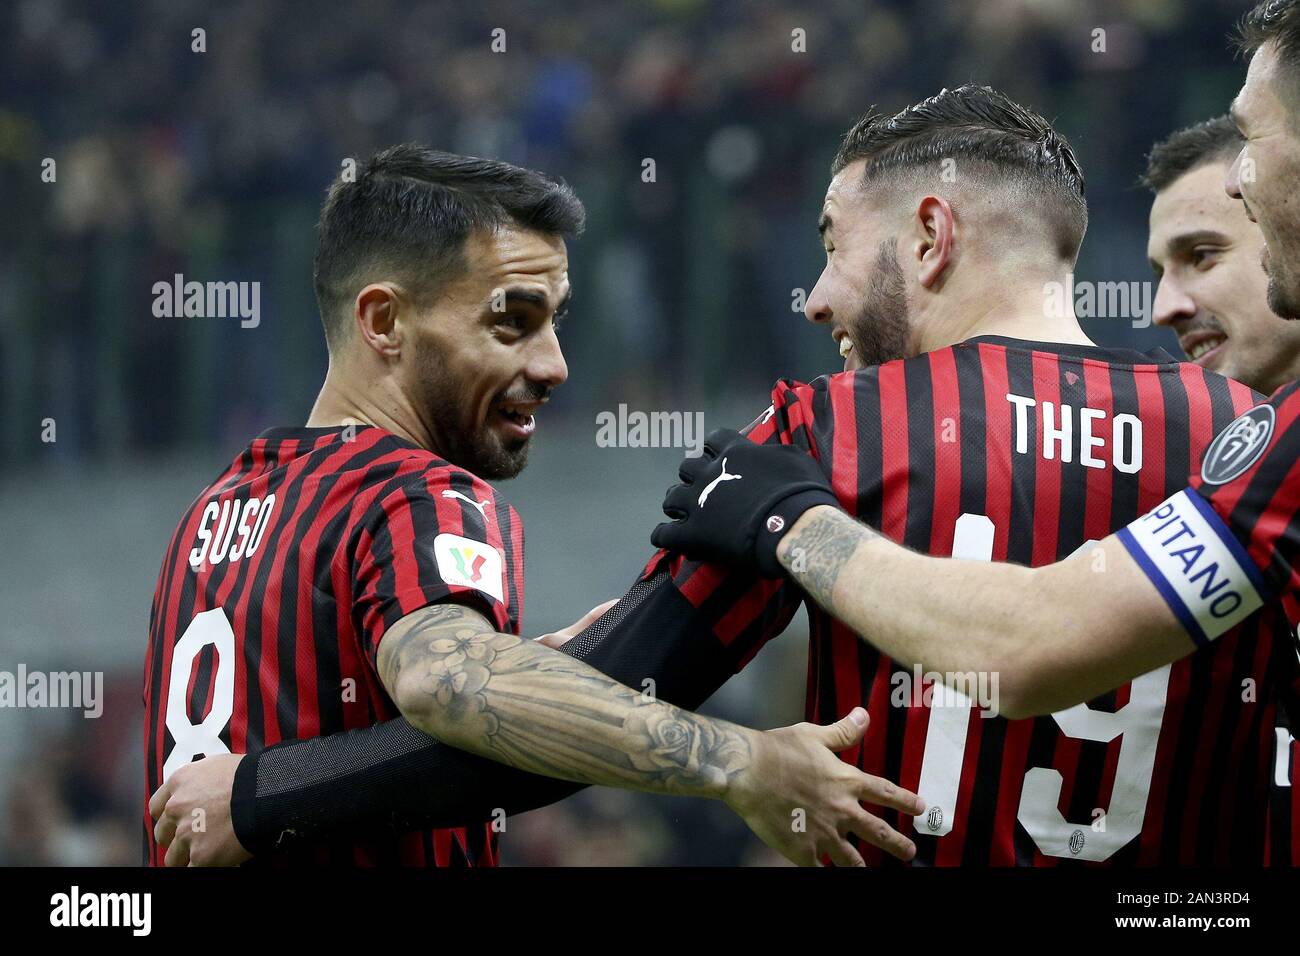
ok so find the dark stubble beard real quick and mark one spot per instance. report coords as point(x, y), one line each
point(881, 329)
point(1283, 294)
point(480, 450)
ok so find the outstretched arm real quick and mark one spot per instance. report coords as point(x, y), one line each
point(458, 679)
point(392, 778)
point(454, 676)
point(1055, 636)
point(537, 709)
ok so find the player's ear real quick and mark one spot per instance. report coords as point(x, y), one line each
point(375, 313)
point(934, 227)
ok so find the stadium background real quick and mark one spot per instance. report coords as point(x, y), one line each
point(214, 165)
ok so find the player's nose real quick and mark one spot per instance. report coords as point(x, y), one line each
point(546, 363)
point(1232, 183)
point(817, 309)
point(1172, 302)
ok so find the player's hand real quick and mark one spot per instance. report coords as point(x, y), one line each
point(737, 500)
point(558, 639)
point(803, 801)
point(192, 814)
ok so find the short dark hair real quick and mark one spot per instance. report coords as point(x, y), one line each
point(1272, 20)
point(1214, 140)
point(407, 215)
point(996, 135)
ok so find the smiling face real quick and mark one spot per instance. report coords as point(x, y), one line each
point(861, 292)
point(1212, 291)
point(1266, 172)
point(478, 374)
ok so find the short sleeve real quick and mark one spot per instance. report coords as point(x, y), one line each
point(445, 536)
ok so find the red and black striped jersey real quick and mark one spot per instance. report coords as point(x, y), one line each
point(1251, 479)
point(1240, 517)
point(278, 584)
point(1000, 449)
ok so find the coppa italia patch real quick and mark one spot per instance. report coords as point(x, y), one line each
point(469, 563)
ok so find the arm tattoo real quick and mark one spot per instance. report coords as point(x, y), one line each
point(458, 679)
point(819, 550)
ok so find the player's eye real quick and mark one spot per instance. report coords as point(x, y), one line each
point(514, 322)
point(1203, 257)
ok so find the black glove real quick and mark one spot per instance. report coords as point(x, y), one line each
point(738, 499)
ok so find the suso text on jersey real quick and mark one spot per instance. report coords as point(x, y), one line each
point(241, 522)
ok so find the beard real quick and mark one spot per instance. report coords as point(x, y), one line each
point(1283, 290)
point(477, 449)
point(1283, 294)
point(1283, 302)
point(881, 328)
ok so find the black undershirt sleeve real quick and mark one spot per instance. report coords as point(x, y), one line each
point(392, 778)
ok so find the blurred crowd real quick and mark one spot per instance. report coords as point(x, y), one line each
point(207, 154)
point(76, 800)
point(213, 164)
